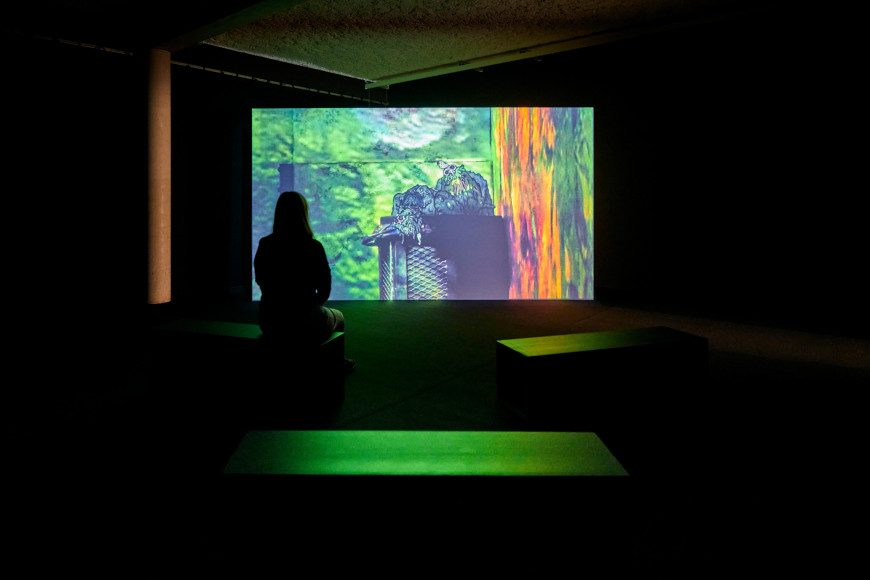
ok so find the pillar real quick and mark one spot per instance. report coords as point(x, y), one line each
point(159, 178)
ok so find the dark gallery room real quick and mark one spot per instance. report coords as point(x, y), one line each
point(590, 294)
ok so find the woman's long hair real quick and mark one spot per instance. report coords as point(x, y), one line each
point(291, 216)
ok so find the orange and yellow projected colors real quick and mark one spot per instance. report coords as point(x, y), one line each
point(543, 177)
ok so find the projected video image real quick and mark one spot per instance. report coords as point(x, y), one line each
point(436, 203)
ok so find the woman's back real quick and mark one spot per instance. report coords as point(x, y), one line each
point(292, 272)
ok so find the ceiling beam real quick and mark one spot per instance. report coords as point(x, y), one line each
point(545, 49)
point(256, 11)
point(484, 61)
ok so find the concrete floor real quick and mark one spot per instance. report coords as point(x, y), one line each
point(758, 471)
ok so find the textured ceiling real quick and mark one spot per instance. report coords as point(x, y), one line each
point(380, 42)
point(391, 41)
point(385, 42)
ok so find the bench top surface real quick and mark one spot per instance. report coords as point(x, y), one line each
point(219, 328)
point(487, 453)
point(589, 341)
point(215, 327)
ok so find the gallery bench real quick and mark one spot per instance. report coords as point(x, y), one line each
point(640, 390)
point(233, 365)
point(423, 453)
point(594, 378)
point(422, 467)
point(414, 496)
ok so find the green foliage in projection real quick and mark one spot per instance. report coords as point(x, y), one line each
point(349, 163)
point(267, 150)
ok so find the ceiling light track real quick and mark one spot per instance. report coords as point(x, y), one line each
point(366, 99)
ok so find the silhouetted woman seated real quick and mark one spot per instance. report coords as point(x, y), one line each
point(295, 280)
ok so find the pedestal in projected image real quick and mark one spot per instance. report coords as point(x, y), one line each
point(459, 257)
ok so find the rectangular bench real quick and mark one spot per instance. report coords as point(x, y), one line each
point(423, 453)
point(232, 364)
point(237, 332)
point(596, 380)
point(641, 390)
point(486, 492)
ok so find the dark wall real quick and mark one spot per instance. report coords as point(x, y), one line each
point(715, 186)
point(75, 164)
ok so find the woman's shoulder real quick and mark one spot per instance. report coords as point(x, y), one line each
point(268, 239)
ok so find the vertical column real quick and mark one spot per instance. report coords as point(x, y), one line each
point(399, 258)
point(159, 178)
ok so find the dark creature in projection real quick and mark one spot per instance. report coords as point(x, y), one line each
point(457, 192)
